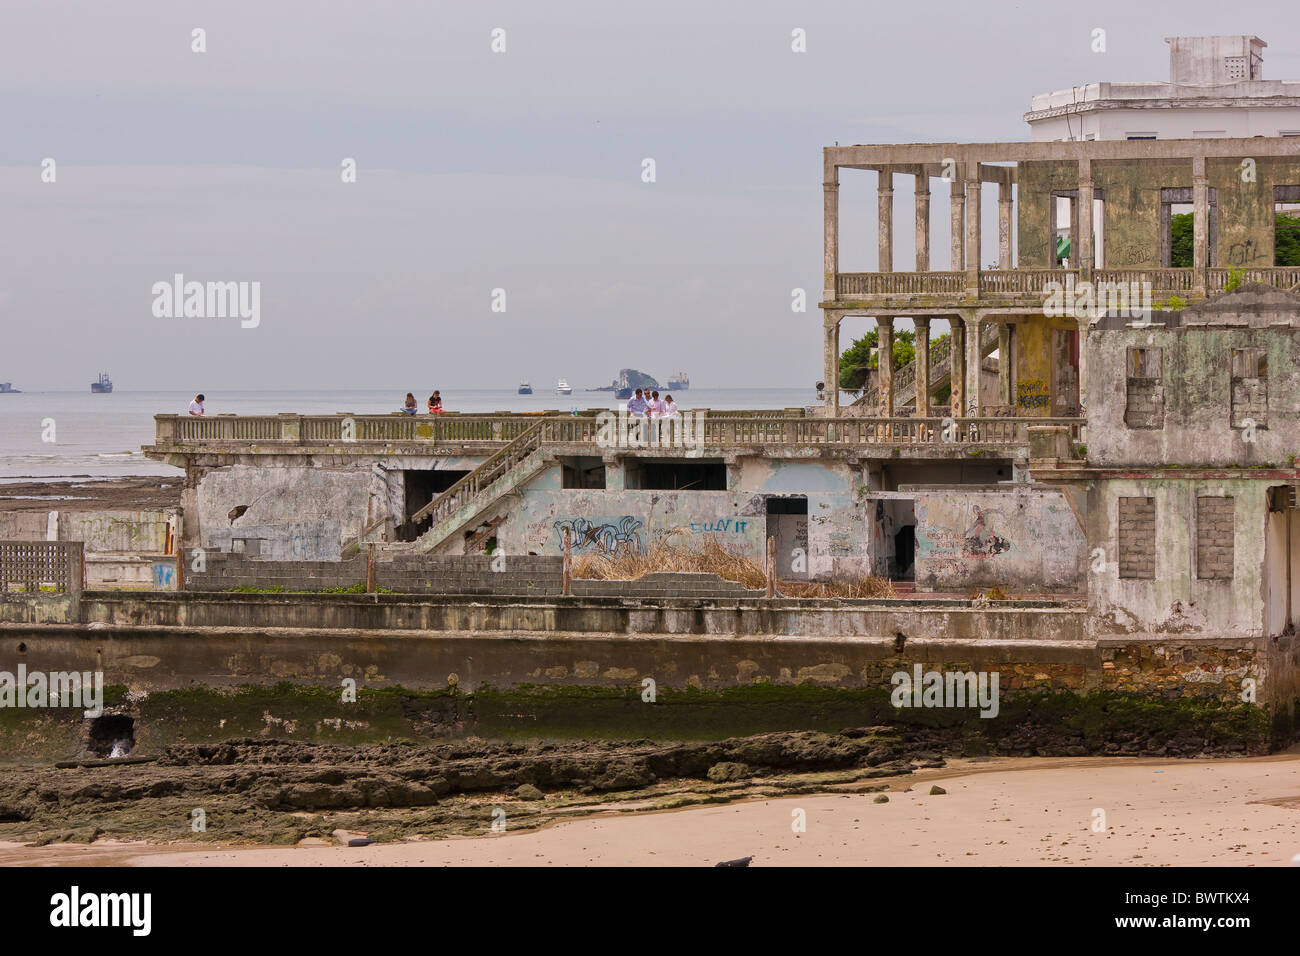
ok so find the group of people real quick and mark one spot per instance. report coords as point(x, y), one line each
point(649, 405)
point(435, 403)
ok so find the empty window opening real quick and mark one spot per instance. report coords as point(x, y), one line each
point(1286, 226)
point(674, 475)
point(582, 472)
point(1137, 538)
point(1065, 228)
point(421, 487)
point(1178, 228)
point(1249, 384)
point(1145, 406)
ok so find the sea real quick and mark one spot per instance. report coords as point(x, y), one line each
point(74, 434)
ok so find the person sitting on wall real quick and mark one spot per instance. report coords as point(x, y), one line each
point(435, 403)
point(410, 407)
point(196, 406)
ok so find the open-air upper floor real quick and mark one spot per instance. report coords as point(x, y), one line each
point(1113, 211)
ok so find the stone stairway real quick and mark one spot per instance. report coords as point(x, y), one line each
point(467, 500)
point(940, 371)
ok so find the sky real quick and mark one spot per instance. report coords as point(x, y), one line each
point(500, 226)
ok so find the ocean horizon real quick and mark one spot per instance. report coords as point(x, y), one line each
point(100, 436)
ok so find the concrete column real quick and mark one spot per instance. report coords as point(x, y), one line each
point(922, 221)
point(958, 203)
point(1200, 223)
point(1005, 366)
point(922, 367)
point(832, 367)
point(1084, 325)
point(1084, 215)
point(1004, 226)
point(973, 363)
point(973, 229)
point(831, 239)
point(885, 363)
point(957, 366)
point(885, 230)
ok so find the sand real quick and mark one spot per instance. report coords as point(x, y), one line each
point(1033, 812)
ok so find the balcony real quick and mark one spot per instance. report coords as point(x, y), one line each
point(1025, 287)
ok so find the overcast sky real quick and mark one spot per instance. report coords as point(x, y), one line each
point(478, 171)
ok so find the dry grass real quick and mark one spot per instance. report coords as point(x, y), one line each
point(711, 557)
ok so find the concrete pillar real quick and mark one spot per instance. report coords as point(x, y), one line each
point(973, 362)
point(922, 221)
point(1084, 215)
point(922, 367)
point(1084, 325)
point(885, 230)
point(973, 229)
point(1005, 365)
point(1004, 226)
point(832, 365)
point(958, 203)
point(1200, 223)
point(957, 366)
point(885, 363)
point(831, 239)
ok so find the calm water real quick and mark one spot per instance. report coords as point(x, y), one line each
point(101, 435)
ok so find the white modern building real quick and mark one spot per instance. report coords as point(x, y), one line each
point(1216, 89)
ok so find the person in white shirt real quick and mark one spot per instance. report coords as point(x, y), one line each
point(656, 406)
point(196, 406)
point(669, 407)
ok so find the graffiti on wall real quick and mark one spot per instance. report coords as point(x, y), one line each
point(950, 551)
point(722, 525)
point(608, 537)
point(1033, 393)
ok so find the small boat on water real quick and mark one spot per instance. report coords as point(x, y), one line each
point(525, 388)
point(103, 387)
point(7, 388)
point(563, 388)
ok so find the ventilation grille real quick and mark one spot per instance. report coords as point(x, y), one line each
point(1234, 68)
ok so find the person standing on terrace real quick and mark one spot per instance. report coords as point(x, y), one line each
point(637, 406)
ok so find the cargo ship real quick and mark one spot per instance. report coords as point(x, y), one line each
point(679, 382)
point(103, 387)
point(7, 388)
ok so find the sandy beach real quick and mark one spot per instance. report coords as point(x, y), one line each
point(1030, 812)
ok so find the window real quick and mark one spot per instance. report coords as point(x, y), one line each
point(675, 475)
point(1178, 228)
point(582, 472)
point(1141, 136)
point(1286, 226)
point(1249, 383)
point(1214, 538)
point(1145, 407)
point(1137, 538)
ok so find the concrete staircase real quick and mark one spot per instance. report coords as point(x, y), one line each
point(466, 501)
point(940, 371)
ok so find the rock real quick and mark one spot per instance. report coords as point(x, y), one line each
point(729, 770)
point(527, 791)
point(881, 799)
point(937, 790)
point(347, 836)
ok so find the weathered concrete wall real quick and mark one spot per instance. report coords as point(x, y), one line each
point(124, 532)
point(1175, 600)
point(299, 513)
point(1020, 538)
point(1196, 379)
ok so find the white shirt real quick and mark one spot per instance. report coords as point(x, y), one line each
point(656, 407)
point(196, 407)
point(669, 409)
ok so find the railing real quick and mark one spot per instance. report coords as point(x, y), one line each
point(875, 431)
point(940, 368)
point(32, 567)
point(900, 283)
point(1030, 282)
point(1280, 277)
point(341, 428)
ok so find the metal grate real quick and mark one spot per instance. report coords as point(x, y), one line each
point(30, 567)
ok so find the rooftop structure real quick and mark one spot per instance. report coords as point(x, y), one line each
point(1216, 90)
